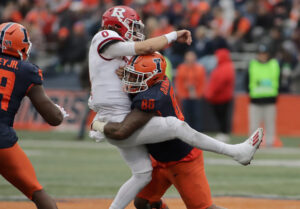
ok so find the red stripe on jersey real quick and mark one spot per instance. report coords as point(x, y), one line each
point(41, 74)
point(29, 87)
point(104, 42)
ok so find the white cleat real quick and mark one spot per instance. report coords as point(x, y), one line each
point(248, 148)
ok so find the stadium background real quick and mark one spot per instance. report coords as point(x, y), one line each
point(60, 31)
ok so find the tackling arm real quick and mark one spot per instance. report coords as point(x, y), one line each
point(118, 131)
point(43, 104)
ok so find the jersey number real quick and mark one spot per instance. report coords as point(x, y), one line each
point(7, 82)
point(148, 104)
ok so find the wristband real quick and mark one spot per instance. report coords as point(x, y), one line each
point(98, 126)
point(171, 36)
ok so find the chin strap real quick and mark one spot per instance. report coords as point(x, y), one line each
point(20, 54)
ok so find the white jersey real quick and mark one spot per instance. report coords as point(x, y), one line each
point(107, 96)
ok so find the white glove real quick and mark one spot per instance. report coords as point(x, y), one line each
point(62, 110)
point(97, 136)
point(98, 126)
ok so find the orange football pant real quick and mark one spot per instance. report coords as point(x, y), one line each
point(189, 179)
point(16, 168)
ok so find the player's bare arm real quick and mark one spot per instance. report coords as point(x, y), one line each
point(133, 121)
point(158, 43)
point(43, 104)
point(115, 49)
point(184, 36)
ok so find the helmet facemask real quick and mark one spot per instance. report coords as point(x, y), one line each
point(135, 82)
point(135, 30)
point(25, 52)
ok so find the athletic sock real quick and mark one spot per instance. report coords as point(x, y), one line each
point(205, 142)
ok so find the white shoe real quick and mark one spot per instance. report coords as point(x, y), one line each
point(248, 148)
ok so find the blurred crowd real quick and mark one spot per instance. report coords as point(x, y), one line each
point(226, 34)
point(61, 29)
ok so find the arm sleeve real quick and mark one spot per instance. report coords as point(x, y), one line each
point(37, 77)
point(32, 73)
point(119, 49)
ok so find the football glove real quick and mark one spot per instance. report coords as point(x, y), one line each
point(97, 136)
point(98, 126)
point(62, 110)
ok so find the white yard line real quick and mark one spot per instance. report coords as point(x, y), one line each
point(64, 144)
point(258, 162)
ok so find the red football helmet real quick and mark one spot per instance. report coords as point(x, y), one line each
point(14, 40)
point(126, 21)
point(142, 72)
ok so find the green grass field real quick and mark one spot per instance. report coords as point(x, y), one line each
point(67, 167)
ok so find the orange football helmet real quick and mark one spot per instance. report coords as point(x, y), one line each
point(14, 40)
point(142, 72)
point(126, 21)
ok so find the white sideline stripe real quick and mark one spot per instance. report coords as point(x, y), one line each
point(65, 144)
point(90, 144)
point(273, 162)
point(283, 150)
point(70, 198)
point(208, 161)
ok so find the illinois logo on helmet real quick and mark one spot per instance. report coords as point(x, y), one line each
point(125, 21)
point(142, 72)
point(14, 40)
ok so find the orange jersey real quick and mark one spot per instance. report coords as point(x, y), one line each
point(190, 76)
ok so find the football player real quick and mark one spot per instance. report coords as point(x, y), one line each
point(20, 78)
point(175, 162)
point(120, 37)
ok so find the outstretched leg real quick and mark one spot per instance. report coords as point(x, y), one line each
point(137, 158)
point(242, 153)
point(160, 129)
